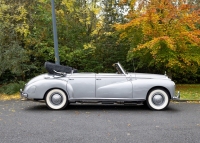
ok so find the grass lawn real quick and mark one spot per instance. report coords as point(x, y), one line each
point(189, 91)
point(9, 97)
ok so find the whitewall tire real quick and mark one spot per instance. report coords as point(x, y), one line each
point(157, 99)
point(56, 99)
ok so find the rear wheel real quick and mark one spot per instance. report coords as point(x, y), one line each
point(56, 99)
point(158, 99)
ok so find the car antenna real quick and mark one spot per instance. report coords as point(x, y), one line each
point(133, 65)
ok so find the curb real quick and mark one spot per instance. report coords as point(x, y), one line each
point(186, 101)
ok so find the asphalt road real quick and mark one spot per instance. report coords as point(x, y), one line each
point(30, 122)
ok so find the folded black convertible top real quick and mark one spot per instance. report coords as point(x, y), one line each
point(52, 67)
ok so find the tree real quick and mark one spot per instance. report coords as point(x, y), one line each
point(163, 34)
point(13, 26)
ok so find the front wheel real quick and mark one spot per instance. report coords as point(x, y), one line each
point(56, 99)
point(157, 99)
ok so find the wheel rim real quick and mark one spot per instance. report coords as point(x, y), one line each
point(56, 99)
point(158, 99)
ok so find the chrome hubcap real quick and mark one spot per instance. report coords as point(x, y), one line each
point(56, 99)
point(158, 99)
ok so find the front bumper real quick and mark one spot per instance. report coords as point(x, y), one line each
point(177, 97)
point(23, 95)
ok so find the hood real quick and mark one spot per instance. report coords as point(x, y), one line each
point(149, 76)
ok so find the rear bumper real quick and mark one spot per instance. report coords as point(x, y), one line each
point(23, 95)
point(177, 97)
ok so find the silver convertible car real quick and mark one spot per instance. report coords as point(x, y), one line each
point(63, 85)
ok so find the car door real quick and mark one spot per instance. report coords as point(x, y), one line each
point(82, 85)
point(113, 86)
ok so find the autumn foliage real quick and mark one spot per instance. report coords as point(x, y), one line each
point(163, 34)
point(158, 35)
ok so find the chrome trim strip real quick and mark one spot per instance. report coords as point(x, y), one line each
point(60, 73)
point(105, 99)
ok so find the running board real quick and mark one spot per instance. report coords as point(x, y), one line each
point(110, 102)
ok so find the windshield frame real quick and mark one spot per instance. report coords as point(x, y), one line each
point(122, 70)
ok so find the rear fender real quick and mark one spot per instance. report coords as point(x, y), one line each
point(38, 89)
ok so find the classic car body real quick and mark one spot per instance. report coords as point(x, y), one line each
point(59, 88)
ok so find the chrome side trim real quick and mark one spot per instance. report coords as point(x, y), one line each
point(104, 99)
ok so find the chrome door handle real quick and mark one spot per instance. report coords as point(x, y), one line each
point(98, 79)
point(71, 79)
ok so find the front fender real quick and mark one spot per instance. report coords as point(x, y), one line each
point(142, 86)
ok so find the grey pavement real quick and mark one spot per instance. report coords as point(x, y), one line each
point(31, 122)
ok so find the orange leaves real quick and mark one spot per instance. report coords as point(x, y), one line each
point(155, 45)
point(194, 39)
point(133, 23)
point(169, 32)
point(123, 2)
